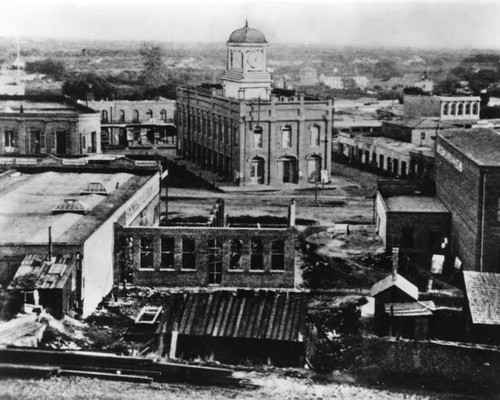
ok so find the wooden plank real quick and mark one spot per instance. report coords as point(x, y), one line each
point(227, 314)
point(107, 376)
point(193, 314)
point(179, 305)
point(223, 303)
point(283, 320)
point(200, 315)
point(277, 318)
point(296, 318)
point(188, 302)
point(238, 319)
point(253, 328)
point(291, 316)
point(270, 321)
point(232, 316)
point(248, 315)
point(213, 314)
point(25, 370)
point(206, 315)
point(266, 315)
point(301, 329)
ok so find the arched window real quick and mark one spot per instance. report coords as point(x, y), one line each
point(460, 109)
point(475, 108)
point(257, 137)
point(163, 115)
point(446, 109)
point(314, 135)
point(286, 136)
point(453, 109)
point(257, 170)
point(235, 254)
point(104, 116)
point(136, 116)
point(149, 114)
point(122, 116)
point(467, 109)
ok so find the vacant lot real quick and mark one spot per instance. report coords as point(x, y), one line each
point(271, 386)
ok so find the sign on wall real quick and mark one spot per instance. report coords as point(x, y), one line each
point(449, 157)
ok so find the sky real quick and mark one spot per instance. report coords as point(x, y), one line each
point(393, 23)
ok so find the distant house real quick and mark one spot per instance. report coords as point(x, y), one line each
point(482, 308)
point(397, 309)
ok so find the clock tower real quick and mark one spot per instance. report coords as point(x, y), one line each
point(246, 76)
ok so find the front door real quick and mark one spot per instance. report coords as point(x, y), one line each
point(61, 142)
point(313, 169)
point(257, 171)
point(288, 171)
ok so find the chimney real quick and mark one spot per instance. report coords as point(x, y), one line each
point(395, 262)
point(50, 243)
point(291, 213)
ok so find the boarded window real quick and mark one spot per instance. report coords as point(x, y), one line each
point(146, 252)
point(188, 254)
point(278, 255)
point(167, 252)
point(235, 254)
point(256, 255)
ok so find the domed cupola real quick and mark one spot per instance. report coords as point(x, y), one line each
point(246, 76)
point(247, 35)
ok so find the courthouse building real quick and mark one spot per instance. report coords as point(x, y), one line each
point(248, 132)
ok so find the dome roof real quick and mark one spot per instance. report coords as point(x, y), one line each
point(247, 35)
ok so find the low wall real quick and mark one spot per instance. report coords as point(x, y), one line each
point(448, 363)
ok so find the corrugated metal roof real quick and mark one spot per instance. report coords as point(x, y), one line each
point(483, 295)
point(414, 309)
point(37, 273)
point(241, 314)
point(401, 283)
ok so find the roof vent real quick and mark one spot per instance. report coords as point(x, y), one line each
point(95, 188)
point(70, 205)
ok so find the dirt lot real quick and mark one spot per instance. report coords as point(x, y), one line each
point(271, 386)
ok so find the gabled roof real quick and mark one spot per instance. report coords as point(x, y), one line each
point(37, 273)
point(413, 309)
point(395, 281)
point(482, 290)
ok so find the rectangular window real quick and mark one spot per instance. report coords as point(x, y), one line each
point(10, 138)
point(236, 251)
point(188, 254)
point(422, 135)
point(278, 255)
point(286, 137)
point(147, 253)
point(167, 252)
point(256, 254)
point(214, 261)
point(314, 130)
point(125, 258)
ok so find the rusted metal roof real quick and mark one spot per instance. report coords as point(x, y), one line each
point(395, 280)
point(268, 315)
point(483, 295)
point(413, 309)
point(37, 273)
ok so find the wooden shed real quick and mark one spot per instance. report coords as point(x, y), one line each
point(235, 326)
point(48, 283)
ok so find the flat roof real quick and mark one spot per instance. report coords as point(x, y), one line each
point(27, 202)
point(417, 204)
point(480, 145)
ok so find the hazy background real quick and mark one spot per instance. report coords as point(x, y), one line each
point(436, 24)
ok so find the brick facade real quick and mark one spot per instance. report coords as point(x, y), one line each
point(471, 192)
point(248, 141)
point(207, 262)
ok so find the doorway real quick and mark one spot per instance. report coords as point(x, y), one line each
point(313, 168)
point(257, 170)
point(288, 166)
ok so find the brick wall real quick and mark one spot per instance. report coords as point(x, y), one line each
point(115, 108)
point(198, 275)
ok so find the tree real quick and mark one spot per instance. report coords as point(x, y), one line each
point(54, 68)
point(386, 69)
point(89, 84)
point(154, 72)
